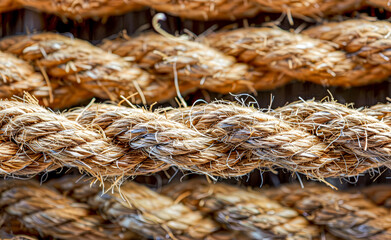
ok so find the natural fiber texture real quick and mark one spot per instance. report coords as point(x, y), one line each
point(319, 139)
point(247, 211)
point(43, 211)
point(196, 9)
point(137, 208)
point(78, 10)
point(346, 215)
point(243, 60)
point(380, 194)
point(9, 236)
point(194, 64)
point(310, 59)
point(77, 69)
point(317, 9)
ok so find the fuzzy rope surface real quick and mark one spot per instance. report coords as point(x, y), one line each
point(244, 210)
point(318, 139)
point(147, 68)
point(346, 215)
point(118, 214)
point(39, 210)
point(195, 9)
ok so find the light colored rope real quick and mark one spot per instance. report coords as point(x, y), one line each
point(318, 139)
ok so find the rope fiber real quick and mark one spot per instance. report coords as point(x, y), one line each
point(62, 72)
point(222, 139)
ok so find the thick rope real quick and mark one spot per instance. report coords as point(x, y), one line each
point(246, 211)
point(350, 53)
point(45, 212)
point(72, 68)
point(196, 9)
point(318, 139)
point(135, 208)
point(143, 211)
point(346, 215)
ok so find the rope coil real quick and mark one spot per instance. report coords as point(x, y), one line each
point(70, 71)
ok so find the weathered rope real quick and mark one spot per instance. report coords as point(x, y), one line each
point(143, 211)
point(45, 212)
point(380, 194)
point(131, 209)
point(350, 53)
point(195, 9)
point(318, 139)
point(186, 210)
point(346, 215)
point(247, 211)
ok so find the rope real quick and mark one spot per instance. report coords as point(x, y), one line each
point(350, 53)
point(195, 9)
point(45, 212)
point(346, 215)
point(379, 194)
point(131, 209)
point(244, 210)
point(318, 139)
point(188, 210)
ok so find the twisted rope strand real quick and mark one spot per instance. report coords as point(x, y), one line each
point(195, 9)
point(346, 215)
point(138, 209)
point(246, 211)
point(43, 210)
point(249, 59)
point(318, 139)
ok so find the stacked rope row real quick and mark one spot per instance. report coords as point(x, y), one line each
point(318, 139)
point(63, 72)
point(195, 9)
point(188, 210)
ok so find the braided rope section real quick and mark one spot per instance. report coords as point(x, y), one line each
point(346, 215)
point(70, 71)
point(195, 9)
point(318, 139)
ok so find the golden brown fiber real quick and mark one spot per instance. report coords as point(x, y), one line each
point(48, 213)
point(318, 139)
point(346, 215)
point(247, 211)
point(195, 9)
point(118, 214)
point(153, 68)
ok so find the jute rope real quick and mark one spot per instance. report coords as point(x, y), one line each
point(318, 139)
point(45, 212)
point(186, 210)
point(350, 53)
point(246, 211)
point(195, 9)
point(131, 209)
point(143, 211)
point(346, 215)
